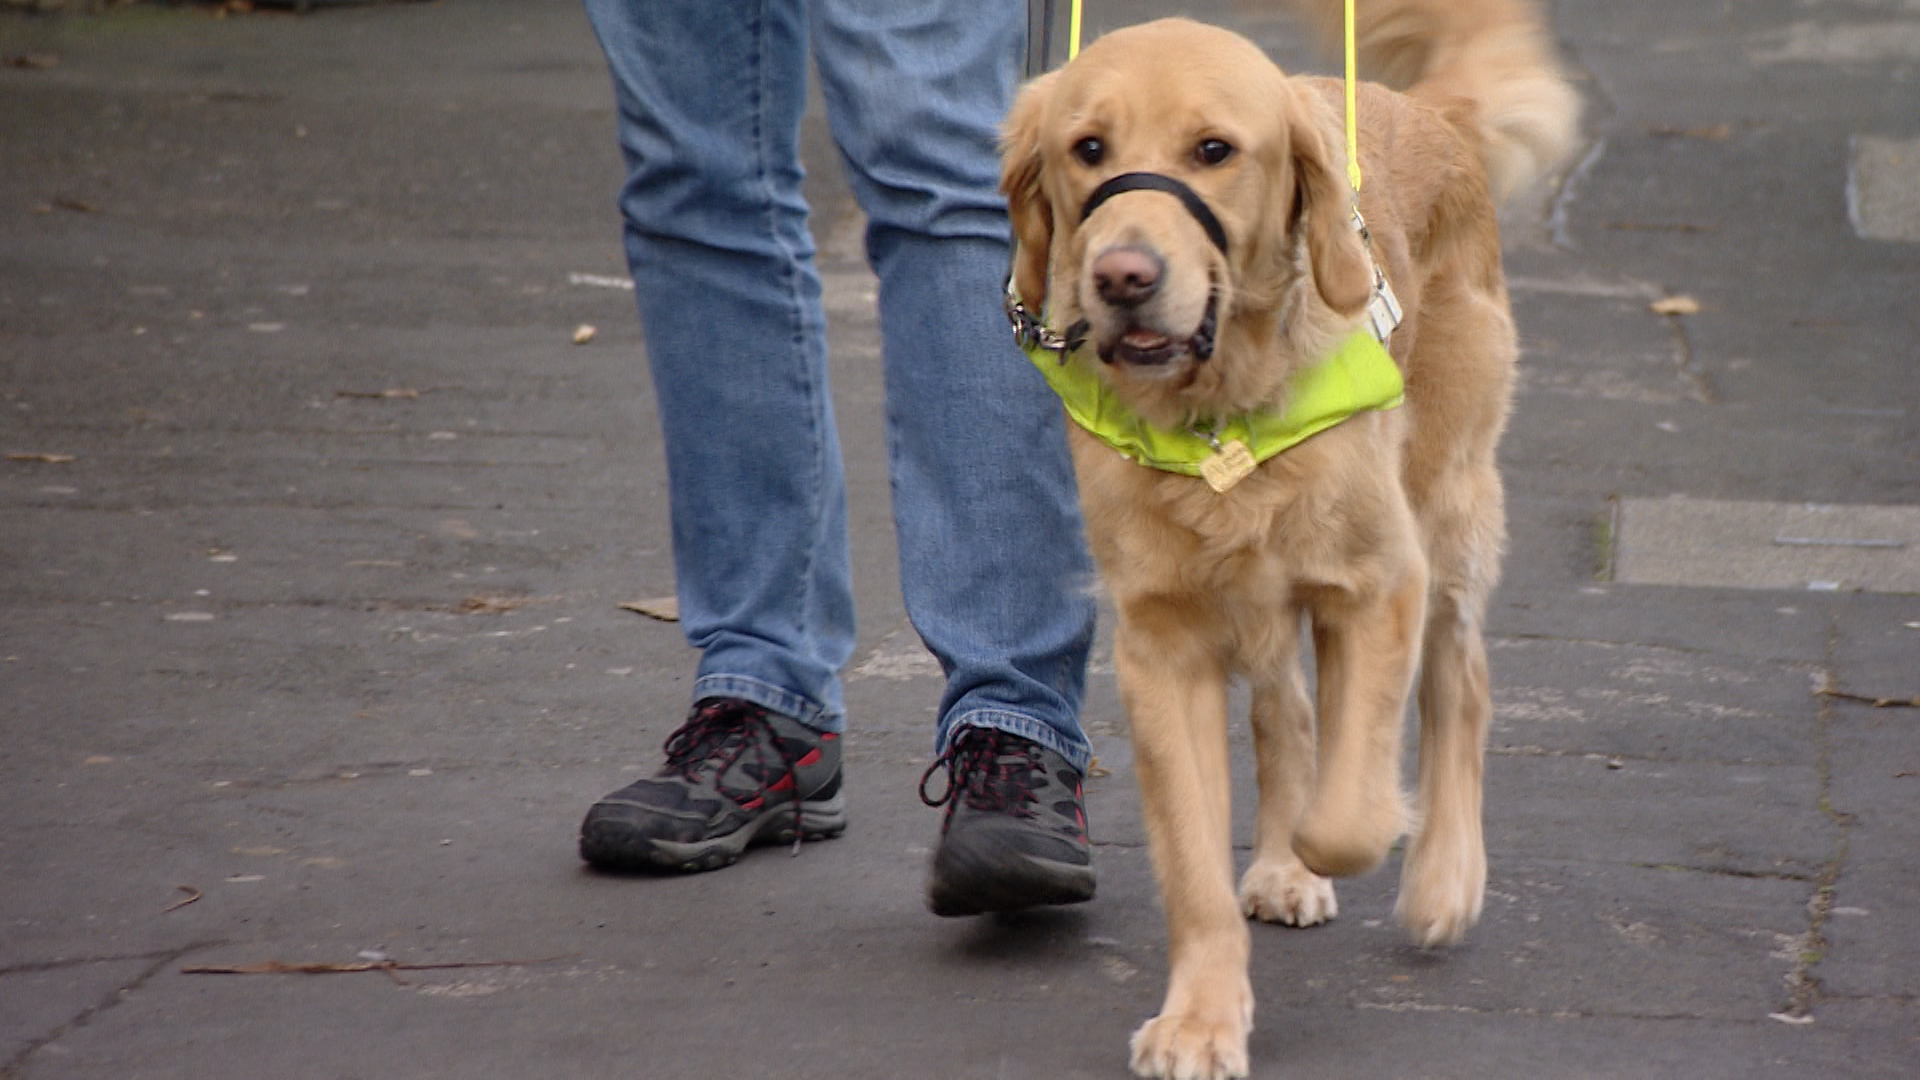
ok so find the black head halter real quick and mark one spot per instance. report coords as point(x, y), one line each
point(1146, 181)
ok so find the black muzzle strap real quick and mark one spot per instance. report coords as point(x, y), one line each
point(1146, 181)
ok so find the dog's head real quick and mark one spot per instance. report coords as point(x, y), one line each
point(1204, 294)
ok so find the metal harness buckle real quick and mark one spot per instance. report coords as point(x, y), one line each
point(1383, 310)
point(1032, 332)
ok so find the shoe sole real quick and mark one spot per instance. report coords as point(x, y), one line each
point(614, 846)
point(977, 888)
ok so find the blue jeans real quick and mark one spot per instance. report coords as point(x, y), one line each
point(993, 566)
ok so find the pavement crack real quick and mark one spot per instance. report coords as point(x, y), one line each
point(1896, 999)
point(1687, 362)
point(1730, 871)
point(1616, 761)
point(1600, 102)
point(14, 1067)
point(36, 966)
point(1548, 1014)
point(1691, 651)
point(1559, 232)
point(1803, 981)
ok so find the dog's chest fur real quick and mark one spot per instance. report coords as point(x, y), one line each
point(1309, 518)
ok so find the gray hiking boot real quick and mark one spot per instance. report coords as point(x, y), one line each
point(736, 774)
point(1015, 834)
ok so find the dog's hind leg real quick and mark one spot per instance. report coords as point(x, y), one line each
point(1461, 380)
point(1173, 681)
point(1443, 881)
point(1278, 887)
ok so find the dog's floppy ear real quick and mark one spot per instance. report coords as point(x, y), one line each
point(1027, 205)
point(1341, 271)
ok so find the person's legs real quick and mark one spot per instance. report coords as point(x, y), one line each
point(993, 565)
point(710, 96)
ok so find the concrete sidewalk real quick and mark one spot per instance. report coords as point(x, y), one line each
point(315, 524)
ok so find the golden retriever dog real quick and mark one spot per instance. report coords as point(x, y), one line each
point(1202, 294)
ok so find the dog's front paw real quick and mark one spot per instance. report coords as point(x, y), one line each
point(1442, 888)
point(1287, 893)
point(1191, 1047)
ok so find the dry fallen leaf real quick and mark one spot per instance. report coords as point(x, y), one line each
point(43, 459)
point(1662, 226)
point(583, 334)
point(1715, 133)
point(484, 604)
point(402, 392)
point(601, 281)
point(664, 608)
point(1676, 305)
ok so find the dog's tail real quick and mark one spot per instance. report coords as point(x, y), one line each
point(1494, 55)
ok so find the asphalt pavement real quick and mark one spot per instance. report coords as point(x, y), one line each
point(317, 516)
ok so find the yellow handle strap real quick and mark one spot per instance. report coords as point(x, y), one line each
point(1353, 112)
point(1073, 31)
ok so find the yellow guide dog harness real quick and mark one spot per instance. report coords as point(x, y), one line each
point(1359, 376)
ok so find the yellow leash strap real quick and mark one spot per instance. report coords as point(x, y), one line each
point(1353, 112)
point(1073, 31)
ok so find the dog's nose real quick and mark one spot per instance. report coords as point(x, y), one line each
point(1127, 276)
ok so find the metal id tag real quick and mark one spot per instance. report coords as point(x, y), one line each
point(1232, 463)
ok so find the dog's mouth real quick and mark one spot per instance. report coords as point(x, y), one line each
point(1141, 347)
point(1146, 347)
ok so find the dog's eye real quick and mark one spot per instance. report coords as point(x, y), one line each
point(1212, 151)
point(1090, 150)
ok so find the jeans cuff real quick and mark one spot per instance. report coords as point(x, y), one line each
point(770, 697)
point(1078, 753)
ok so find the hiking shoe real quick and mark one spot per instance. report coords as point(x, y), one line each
point(736, 774)
point(1015, 834)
